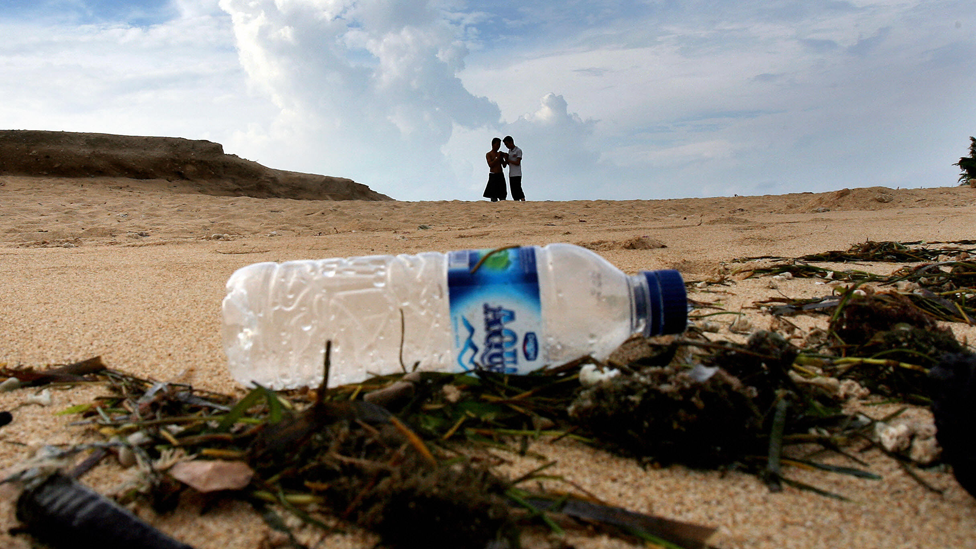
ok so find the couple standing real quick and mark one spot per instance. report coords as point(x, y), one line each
point(497, 160)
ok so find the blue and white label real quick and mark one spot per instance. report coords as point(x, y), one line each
point(496, 312)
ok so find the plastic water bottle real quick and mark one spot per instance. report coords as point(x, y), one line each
point(511, 310)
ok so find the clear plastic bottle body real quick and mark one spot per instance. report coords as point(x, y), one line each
point(381, 311)
point(278, 317)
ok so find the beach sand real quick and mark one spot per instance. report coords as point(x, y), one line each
point(134, 271)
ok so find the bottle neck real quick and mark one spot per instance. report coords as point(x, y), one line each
point(638, 304)
point(659, 303)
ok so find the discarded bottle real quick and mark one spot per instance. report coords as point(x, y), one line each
point(511, 310)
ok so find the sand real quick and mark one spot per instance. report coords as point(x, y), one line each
point(134, 271)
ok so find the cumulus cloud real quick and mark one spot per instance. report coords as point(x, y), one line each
point(366, 89)
point(561, 159)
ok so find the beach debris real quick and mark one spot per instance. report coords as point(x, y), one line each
point(339, 458)
point(665, 414)
point(5, 418)
point(592, 374)
point(670, 532)
point(409, 456)
point(76, 371)
point(41, 399)
point(741, 325)
point(925, 450)
point(902, 341)
point(894, 438)
point(63, 513)
point(850, 389)
point(212, 475)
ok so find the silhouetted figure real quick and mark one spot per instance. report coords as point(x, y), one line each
point(514, 160)
point(495, 189)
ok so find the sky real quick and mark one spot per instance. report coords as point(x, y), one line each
point(608, 99)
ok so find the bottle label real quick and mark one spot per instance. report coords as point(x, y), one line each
point(496, 312)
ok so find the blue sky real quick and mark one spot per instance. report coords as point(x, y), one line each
point(607, 99)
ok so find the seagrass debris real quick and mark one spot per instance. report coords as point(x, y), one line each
point(942, 283)
point(335, 460)
point(403, 455)
point(886, 251)
point(410, 472)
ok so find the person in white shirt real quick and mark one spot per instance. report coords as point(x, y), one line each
point(514, 160)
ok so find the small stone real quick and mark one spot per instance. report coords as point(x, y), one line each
point(274, 539)
point(830, 384)
point(741, 326)
point(701, 373)
point(851, 389)
point(138, 438)
point(710, 327)
point(906, 286)
point(925, 451)
point(591, 375)
point(542, 423)
point(42, 399)
point(10, 384)
point(894, 438)
point(127, 458)
point(451, 393)
point(212, 475)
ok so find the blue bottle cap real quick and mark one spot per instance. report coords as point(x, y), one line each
point(667, 303)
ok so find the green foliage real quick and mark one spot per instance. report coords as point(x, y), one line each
point(968, 165)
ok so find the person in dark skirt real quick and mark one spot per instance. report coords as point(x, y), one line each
point(495, 189)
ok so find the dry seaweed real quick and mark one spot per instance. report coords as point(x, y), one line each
point(701, 418)
point(77, 371)
point(885, 252)
point(406, 472)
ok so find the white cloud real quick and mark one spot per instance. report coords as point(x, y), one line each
point(366, 89)
point(638, 99)
point(772, 97)
point(180, 78)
